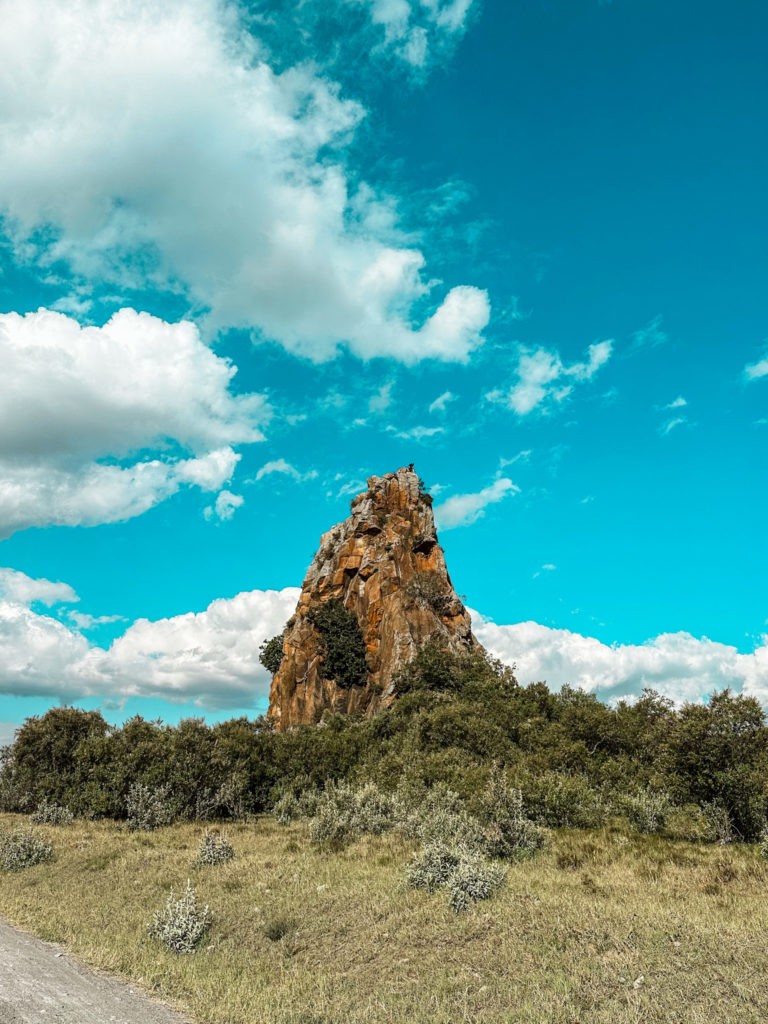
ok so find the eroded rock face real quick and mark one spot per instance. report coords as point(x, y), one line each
point(385, 565)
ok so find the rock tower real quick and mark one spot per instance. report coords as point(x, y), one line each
point(385, 566)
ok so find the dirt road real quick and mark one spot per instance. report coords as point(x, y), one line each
point(41, 983)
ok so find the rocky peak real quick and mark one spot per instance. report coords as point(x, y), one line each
point(380, 578)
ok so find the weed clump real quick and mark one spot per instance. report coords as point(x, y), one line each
point(433, 867)
point(23, 848)
point(147, 808)
point(182, 922)
point(214, 849)
point(51, 814)
point(509, 833)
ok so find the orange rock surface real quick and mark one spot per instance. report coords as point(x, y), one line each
point(386, 566)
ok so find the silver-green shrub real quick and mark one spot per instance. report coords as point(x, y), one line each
point(182, 922)
point(147, 808)
point(433, 867)
point(563, 801)
point(294, 806)
point(719, 822)
point(23, 848)
point(475, 878)
point(215, 848)
point(440, 817)
point(646, 810)
point(509, 833)
point(51, 814)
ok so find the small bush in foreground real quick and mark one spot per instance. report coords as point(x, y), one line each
point(146, 808)
point(182, 923)
point(475, 878)
point(23, 848)
point(466, 874)
point(433, 867)
point(214, 849)
point(52, 814)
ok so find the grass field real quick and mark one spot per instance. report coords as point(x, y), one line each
point(600, 927)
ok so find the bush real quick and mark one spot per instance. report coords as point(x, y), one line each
point(52, 814)
point(147, 808)
point(293, 806)
point(214, 848)
point(646, 810)
point(563, 801)
point(271, 653)
point(433, 867)
point(509, 833)
point(424, 588)
point(181, 924)
point(23, 848)
point(719, 822)
point(440, 817)
point(763, 847)
point(341, 644)
point(475, 878)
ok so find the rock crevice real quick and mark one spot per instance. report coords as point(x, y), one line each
point(385, 566)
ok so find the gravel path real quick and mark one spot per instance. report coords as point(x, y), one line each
point(40, 983)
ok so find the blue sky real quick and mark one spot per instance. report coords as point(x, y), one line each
point(522, 245)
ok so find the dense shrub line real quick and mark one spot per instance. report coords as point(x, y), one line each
point(699, 771)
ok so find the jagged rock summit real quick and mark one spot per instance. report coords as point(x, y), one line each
point(381, 574)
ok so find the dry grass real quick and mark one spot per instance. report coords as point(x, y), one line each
point(301, 937)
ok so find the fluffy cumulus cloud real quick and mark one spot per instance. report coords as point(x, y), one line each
point(463, 509)
point(19, 588)
point(543, 380)
point(676, 664)
point(82, 406)
point(209, 658)
point(150, 144)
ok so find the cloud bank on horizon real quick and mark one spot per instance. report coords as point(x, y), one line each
point(210, 659)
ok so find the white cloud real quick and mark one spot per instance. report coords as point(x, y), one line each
point(382, 400)
point(676, 664)
point(754, 371)
point(82, 407)
point(413, 28)
point(84, 622)
point(464, 509)
point(544, 380)
point(19, 588)
point(418, 433)
point(650, 336)
point(286, 469)
point(225, 506)
point(149, 144)
point(670, 425)
point(441, 401)
point(208, 658)
point(679, 403)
